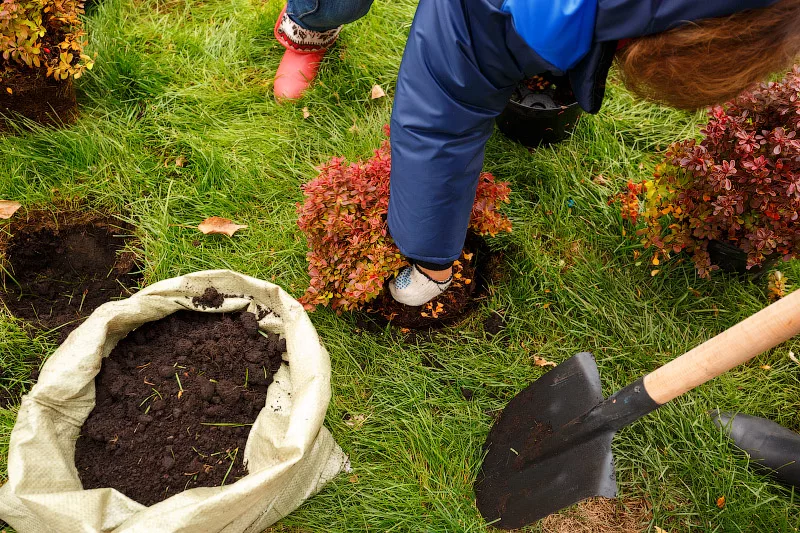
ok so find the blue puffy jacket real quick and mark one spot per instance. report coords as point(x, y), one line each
point(461, 64)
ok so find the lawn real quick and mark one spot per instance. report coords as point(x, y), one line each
point(190, 80)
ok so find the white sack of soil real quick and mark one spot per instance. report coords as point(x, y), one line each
point(289, 454)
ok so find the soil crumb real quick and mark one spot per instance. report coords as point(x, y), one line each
point(494, 324)
point(601, 515)
point(211, 298)
point(59, 267)
point(175, 402)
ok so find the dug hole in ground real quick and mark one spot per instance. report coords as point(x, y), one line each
point(288, 454)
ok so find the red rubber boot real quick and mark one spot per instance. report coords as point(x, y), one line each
point(304, 52)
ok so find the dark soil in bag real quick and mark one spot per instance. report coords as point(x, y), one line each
point(175, 402)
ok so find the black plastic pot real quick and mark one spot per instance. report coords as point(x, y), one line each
point(732, 259)
point(538, 121)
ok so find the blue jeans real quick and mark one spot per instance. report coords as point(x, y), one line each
point(323, 15)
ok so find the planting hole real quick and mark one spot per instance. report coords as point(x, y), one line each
point(59, 267)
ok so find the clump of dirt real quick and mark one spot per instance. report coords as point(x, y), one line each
point(211, 298)
point(601, 515)
point(59, 267)
point(175, 402)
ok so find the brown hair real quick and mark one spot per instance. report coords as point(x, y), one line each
point(712, 60)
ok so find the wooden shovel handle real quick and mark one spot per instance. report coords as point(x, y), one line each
point(767, 328)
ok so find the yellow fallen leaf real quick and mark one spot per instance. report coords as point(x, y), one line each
point(654, 272)
point(180, 161)
point(468, 257)
point(766, 367)
point(353, 479)
point(306, 113)
point(219, 225)
point(541, 361)
point(8, 208)
point(721, 502)
point(659, 530)
point(9, 91)
point(377, 92)
point(656, 262)
point(545, 306)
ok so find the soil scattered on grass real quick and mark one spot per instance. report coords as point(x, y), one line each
point(59, 267)
point(601, 515)
point(175, 402)
point(494, 324)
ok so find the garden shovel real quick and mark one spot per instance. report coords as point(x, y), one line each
point(551, 446)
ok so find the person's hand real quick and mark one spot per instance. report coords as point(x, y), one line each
point(417, 286)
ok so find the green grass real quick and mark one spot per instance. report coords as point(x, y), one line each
point(192, 79)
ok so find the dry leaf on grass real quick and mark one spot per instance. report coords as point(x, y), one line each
point(721, 502)
point(8, 208)
point(660, 530)
point(356, 421)
point(181, 161)
point(306, 112)
point(219, 225)
point(776, 286)
point(541, 361)
point(377, 92)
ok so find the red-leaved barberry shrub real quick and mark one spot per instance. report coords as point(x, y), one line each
point(351, 254)
point(740, 184)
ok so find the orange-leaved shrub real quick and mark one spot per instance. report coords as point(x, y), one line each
point(351, 254)
point(739, 185)
point(45, 35)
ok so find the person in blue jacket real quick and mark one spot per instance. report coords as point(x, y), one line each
point(464, 58)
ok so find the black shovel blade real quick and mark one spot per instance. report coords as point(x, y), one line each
point(771, 446)
point(512, 492)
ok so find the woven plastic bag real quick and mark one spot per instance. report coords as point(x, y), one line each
point(289, 454)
